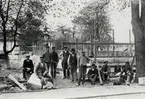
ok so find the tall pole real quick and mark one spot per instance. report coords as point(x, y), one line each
point(113, 42)
point(129, 36)
point(82, 42)
point(95, 36)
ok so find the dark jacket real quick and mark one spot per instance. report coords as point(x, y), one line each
point(93, 71)
point(54, 57)
point(28, 64)
point(65, 56)
point(127, 70)
point(46, 56)
point(105, 68)
point(73, 59)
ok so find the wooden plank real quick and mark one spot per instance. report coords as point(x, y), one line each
point(16, 82)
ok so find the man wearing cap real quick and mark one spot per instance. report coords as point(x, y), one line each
point(41, 72)
point(46, 58)
point(93, 74)
point(28, 67)
point(65, 53)
point(82, 64)
point(72, 60)
point(105, 72)
point(54, 62)
point(126, 74)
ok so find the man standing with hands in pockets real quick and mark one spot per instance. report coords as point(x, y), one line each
point(83, 60)
point(46, 58)
point(54, 62)
point(65, 53)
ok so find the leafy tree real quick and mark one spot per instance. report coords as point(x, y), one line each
point(31, 35)
point(94, 18)
point(94, 23)
point(14, 14)
point(31, 31)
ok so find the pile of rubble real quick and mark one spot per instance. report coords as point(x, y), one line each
point(8, 85)
point(15, 84)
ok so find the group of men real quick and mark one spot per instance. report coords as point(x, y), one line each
point(74, 68)
point(70, 64)
point(41, 69)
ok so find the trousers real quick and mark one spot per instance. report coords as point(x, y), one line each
point(53, 69)
point(73, 70)
point(66, 71)
point(82, 74)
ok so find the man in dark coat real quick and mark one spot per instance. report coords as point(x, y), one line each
point(54, 62)
point(72, 60)
point(46, 57)
point(105, 72)
point(65, 53)
point(28, 67)
point(126, 74)
point(93, 74)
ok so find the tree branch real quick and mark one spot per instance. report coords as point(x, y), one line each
point(16, 29)
point(7, 11)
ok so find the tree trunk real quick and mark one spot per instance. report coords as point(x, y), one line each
point(5, 52)
point(138, 25)
point(7, 60)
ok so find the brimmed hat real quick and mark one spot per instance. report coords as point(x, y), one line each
point(65, 47)
point(127, 62)
point(41, 56)
point(93, 65)
point(27, 55)
point(72, 49)
point(105, 61)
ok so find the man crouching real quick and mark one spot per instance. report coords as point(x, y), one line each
point(126, 74)
point(93, 74)
point(41, 74)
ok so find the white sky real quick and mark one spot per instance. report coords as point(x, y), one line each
point(120, 20)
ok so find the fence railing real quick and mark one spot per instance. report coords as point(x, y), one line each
point(104, 49)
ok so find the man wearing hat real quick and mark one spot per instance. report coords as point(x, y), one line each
point(41, 72)
point(72, 60)
point(28, 67)
point(65, 53)
point(54, 62)
point(126, 74)
point(105, 72)
point(82, 64)
point(93, 74)
point(46, 57)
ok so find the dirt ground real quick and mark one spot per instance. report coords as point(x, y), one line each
point(59, 82)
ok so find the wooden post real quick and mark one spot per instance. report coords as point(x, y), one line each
point(95, 37)
point(82, 42)
point(129, 36)
point(113, 43)
point(62, 45)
